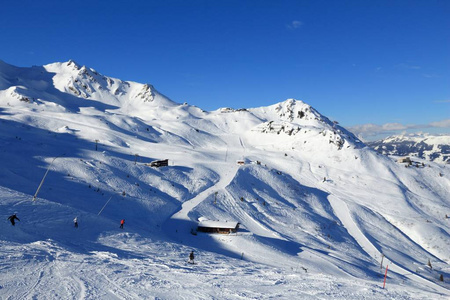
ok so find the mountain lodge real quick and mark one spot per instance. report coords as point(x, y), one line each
point(222, 227)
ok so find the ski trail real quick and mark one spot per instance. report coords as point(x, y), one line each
point(114, 289)
point(82, 287)
point(180, 222)
point(180, 219)
point(255, 226)
point(32, 289)
point(343, 213)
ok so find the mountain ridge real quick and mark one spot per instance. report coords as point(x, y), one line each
point(425, 146)
point(142, 100)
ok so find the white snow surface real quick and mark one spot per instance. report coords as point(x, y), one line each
point(321, 214)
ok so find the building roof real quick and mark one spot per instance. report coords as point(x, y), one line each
point(218, 224)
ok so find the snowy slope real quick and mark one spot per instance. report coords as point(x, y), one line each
point(318, 209)
point(425, 146)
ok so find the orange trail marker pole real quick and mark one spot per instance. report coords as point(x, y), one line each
point(385, 275)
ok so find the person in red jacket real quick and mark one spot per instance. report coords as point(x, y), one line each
point(121, 223)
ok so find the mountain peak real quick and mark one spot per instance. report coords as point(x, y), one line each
point(291, 109)
point(69, 83)
point(73, 64)
point(302, 123)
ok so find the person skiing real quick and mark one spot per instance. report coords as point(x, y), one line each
point(12, 218)
point(121, 223)
point(191, 257)
point(75, 222)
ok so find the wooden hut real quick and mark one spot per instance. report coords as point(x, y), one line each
point(159, 163)
point(222, 227)
point(404, 160)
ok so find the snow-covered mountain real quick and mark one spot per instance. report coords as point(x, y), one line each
point(321, 214)
point(425, 146)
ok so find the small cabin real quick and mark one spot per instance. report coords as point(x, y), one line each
point(222, 227)
point(159, 163)
point(404, 160)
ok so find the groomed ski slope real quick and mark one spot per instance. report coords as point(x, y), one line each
point(317, 208)
point(343, 213)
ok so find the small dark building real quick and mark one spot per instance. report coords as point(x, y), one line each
point(404, 160)
point(159, 163)
point(222, 227)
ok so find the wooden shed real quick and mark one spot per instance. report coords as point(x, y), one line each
point(159, 163)
point(222, 227)
point(404, 160)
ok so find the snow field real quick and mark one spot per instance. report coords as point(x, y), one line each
point(317, 212)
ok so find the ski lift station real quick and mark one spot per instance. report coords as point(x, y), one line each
point(222, 227)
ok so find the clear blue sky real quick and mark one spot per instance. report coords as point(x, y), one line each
point(356, 61)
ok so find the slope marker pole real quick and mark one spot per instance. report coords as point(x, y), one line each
point(385, 275)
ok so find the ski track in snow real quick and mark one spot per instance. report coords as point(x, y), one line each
point(188, 206)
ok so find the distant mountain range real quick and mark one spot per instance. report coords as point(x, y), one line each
point(425, 146)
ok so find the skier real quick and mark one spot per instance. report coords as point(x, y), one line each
point(12, 218)
point(191, 257)
point(121, 223)
point(75, 222)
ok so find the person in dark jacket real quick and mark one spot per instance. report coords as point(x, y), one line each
point(12, 218)
point(191, 257)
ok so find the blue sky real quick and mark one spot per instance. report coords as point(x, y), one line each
point(375, 66)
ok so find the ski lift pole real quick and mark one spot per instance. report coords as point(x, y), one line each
point(43, 178)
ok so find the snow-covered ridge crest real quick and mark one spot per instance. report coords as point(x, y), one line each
point(87, 83)
point(71, 86)
point(294, 117)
